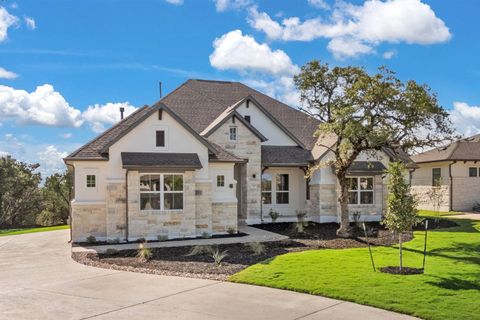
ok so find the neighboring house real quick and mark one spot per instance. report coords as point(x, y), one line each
point(454, 171)
point(209, 156)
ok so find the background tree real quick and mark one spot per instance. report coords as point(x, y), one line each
point(401, 215)
point(364, 112)
point(56, 195)
point(20, 197)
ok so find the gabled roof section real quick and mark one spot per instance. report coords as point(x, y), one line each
point(226, 115)
point(467, 149)
point(222, 155)
point(201, 102)
point(285, 156)
point(97, 149)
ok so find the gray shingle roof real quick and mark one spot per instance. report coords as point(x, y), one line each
point(160, 160)
point(461, 150)
point(285, 156)
point(200, 102)
point(366, 167)
point(222, 155)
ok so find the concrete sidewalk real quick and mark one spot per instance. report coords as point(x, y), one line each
point(466, 215)
point(252, 235)
point(39, 280)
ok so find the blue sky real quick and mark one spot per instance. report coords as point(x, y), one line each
point(66, 66)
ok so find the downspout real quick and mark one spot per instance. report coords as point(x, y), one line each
point(450, 207)
point(126, 205)
point(70, 200)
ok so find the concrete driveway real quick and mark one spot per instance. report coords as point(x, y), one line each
point(39, 280)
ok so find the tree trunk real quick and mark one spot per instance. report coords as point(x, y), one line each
point(400, 250)
point(345, 231)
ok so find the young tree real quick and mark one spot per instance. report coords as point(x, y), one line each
point(401, 215)
point(364, 112)
point(19, 192)
point(56, 195)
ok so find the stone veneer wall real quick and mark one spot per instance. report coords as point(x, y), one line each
point(88, 220)
point(116, 219)
point(152, 224)
point(224, 217)
point(203, 211)
point(424, 200)
point(247, 146)
point(466, 193)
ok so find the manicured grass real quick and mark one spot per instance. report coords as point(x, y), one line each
point(449, 289)
point(431, 213)
point(11, 232)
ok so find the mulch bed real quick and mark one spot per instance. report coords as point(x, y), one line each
point(177, 261)
point(405, 270)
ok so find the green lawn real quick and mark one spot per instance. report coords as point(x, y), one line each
point(450, 288)
point(11, 232)
point(431, 213)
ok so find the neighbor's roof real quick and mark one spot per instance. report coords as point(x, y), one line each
point(285, 156)
point(467, 149)
point(200, 102)
point(136, 160)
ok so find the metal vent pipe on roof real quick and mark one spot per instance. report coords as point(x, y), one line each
point(122, 110)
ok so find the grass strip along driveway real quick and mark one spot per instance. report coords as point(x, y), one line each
point(11, 232)
point(449, 289)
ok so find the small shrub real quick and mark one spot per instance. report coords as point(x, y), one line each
point(231, 230)
point(257, 248)
point(113, 241)
point(144, 253)
point(219, 256)
point(274, 215)
point(91, 239)
point(200, 250)
point(162, 238)
point(206, 235)
point(111, 252)
point(142, 240)
point(299, 227)
point(476, 207)
point(301, 215)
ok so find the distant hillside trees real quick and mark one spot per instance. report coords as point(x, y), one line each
point(25, 202)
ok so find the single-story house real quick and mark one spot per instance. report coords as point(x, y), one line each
point(206, 158)
point(454, 171)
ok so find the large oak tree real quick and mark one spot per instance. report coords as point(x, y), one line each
point(365, 113)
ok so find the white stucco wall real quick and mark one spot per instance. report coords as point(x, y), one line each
point(275, 135)
point(88, 195)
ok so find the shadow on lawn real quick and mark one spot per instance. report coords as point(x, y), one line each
point(458, 282)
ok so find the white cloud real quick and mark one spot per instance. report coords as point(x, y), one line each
point(30, 22)
point(44, 106)
point(66, 135)
point(242, 53)
point(320, 4)
point(101, 116)
point(362, 26)
point(389, 54)
point(466, 118)
point(51, 160)
point(5, 74)
point(175, 2)
point(281, 88)
point(6, 21)
point(224, 5)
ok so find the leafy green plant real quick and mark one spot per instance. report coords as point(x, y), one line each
point(273, 215)
point(162, 238)
point(218, 256)
point(299, 227)
point(401, 215)
point(142, 240)
point(257, 248)
point(111, 252)
point(144, 253)
point(91, 239)
point(200, 250)
point(206, 235)
point(113, 241)
point(231, 230)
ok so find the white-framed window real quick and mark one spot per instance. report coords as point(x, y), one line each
point(266, 188)
point(91, 181)
point(436, 176)
point(360, 190)
point(473, 172)
point(220, 181)
point(161, 191)
point(160, 138)
point(278, 193)
point(233, 134)
point(281, 190)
